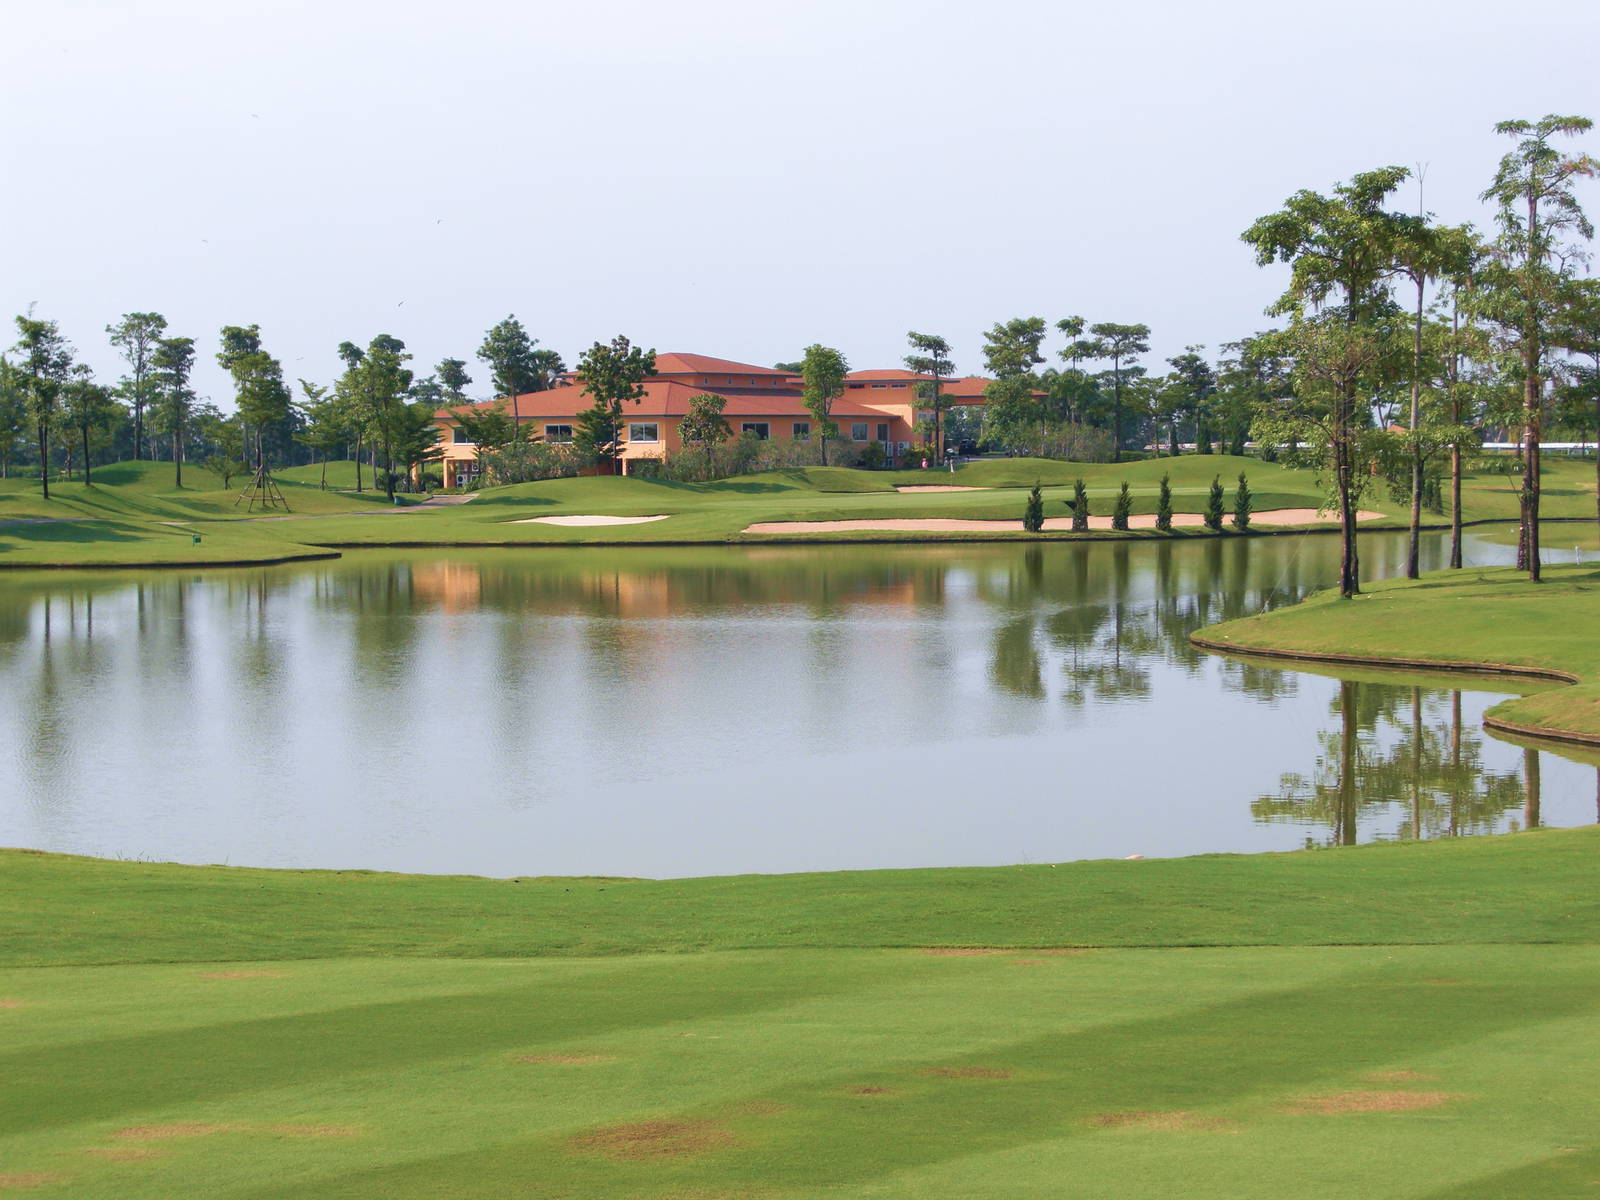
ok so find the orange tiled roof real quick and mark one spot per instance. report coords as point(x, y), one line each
point(666, 398)
point(673, 363)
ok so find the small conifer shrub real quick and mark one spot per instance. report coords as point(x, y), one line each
point(1119, 515)
point(1241, 504)
point(1164, 505)
point(1080, 506)
point(1214, 505)
point(1033, 515)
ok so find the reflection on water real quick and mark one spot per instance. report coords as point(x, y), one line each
point(694, 711)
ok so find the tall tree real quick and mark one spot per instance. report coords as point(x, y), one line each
point(1338, 246)
point(135, 336)
point(1198, 384)
point(1121, 344)
point(453, 378)
point(1010, 353)
point(613, 374)
point(13, 413)
point(376, 388)
point(171, 362)
point(1525, 284)
point(44, 359)
point(90, 410)
point(262, 400)
point(931, 357)
point(704, 424)
point(1582, 337)
point(515, 366)
point(823, 368)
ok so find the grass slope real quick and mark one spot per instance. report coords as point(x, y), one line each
point(125, 517)
point(361, 1035)
point(1477, 616)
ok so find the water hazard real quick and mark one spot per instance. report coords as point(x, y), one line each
point(683, 711)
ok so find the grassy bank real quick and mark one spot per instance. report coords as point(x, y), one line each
point(1474, 619)
point(240, 1033)
point(134, 515)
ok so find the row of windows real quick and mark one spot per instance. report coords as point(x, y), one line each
point(650, 431)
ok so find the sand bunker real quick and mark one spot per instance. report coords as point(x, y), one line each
point(655, 1139)
point(937, 487)
point(590, 520)
point(1275, 516)
point(1369, 1102)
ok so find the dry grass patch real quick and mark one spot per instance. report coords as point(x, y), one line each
point(762, 1108)
point(7, 1003)
point(1029, 962)
point(961, 951)
point(317, 1131)
point(124, 1153)
point(1369, 1102)
point(567, 1060)
point(181, 1129)
point(18, 1180)
point(968, 1072)
point(872, 1089)
point(1180, 1121)
point(655, 1139)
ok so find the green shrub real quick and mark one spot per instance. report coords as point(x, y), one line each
point(1164, 505)
point(1119, 515)
point(1033, 515)
point(873, 457)
point(1079, 504)
point(1241, 505)
point(1214, 505)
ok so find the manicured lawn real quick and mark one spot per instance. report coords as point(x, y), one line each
point(1489, 616)
point(125, 518)
point(174, 1031)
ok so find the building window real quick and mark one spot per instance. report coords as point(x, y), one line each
point(878, 387)
point(646, 431)
point(858, 431)
point(458, 435)
point(759, 430)
point(883, 431)
point(558, 434)
point(802, 431)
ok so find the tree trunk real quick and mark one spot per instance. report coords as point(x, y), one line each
point(1116, 410)
point(1343, 470)
point(1530, 413)
point(1455, 445)
point(1414, 530)
point(177, 459)
point(44, 457)
point(388, 470)
point(324, 482)
point(358, 463)
point(87, 482)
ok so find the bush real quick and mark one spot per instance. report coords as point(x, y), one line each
point(1214, 505)
point(1164, 505)
point(1079, 504)
point(1033, 515)
point(1071, 443)
point(1241, 505)
point(1119, 515)
point(873, 457)
point(525, 461)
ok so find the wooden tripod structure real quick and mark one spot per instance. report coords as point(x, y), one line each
point(262, 490)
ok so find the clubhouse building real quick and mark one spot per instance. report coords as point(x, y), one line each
point(762, 402)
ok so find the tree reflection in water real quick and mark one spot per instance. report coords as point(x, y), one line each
point(1397, 751)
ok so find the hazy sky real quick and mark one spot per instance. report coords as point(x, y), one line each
point(730, 177)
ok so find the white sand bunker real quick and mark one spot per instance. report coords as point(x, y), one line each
point(590, 520)
point(1274, 516)
point(937, 487)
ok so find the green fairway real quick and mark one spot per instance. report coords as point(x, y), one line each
point(132, 514)
point(221, 1032)
point(1473, 617)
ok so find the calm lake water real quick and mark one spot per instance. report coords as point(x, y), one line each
point(684, 712)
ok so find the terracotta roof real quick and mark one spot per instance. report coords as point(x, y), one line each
point(668, 398)
point(673, 363)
